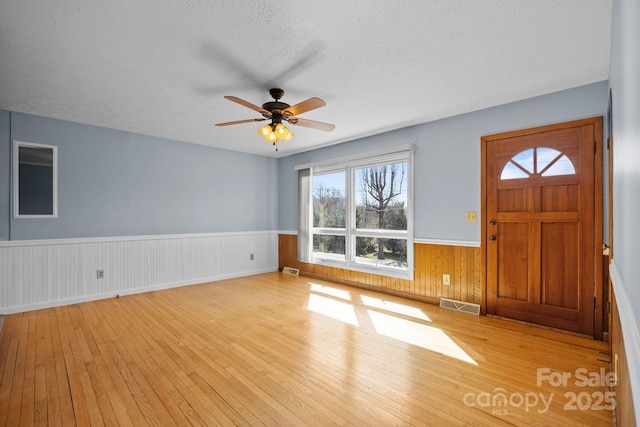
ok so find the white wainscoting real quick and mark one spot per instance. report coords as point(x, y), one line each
point(49, 273)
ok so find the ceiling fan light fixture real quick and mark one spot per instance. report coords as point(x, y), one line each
point(267, 133)
point(280, 130)
point(288, 135)
point(283, 133)
point(274, 133)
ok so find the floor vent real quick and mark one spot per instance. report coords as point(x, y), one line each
point(291, 271)
point(465, 307)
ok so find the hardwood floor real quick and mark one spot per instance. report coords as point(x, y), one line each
point(280, 350)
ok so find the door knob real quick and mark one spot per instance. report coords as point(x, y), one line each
point(492, 237)
point(493, 222)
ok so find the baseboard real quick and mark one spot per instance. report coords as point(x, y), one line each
point(128, 291)
point(379, 289)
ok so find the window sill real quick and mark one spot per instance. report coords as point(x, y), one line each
point(406, 274)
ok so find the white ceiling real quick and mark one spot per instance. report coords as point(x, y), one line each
point(162, 67)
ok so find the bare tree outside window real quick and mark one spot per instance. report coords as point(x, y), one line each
point(381, 205)
point(328, 207)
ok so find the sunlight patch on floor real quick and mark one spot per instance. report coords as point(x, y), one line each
point(327, 290)
point(411, 332)
point(427, 337)
point(332, 308)
point(395, 307)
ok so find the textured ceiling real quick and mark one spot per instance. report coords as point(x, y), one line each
point(162, 67)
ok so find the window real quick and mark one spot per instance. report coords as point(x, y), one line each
point(35, 180)
point(361, 214)
point(329, 215)
point(541, 161)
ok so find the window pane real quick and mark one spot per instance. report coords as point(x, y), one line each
point(329, 247)
point(381, 197)
point(549, 162)
point(511, 171)
point(562, 167)
point(544, 157)
point(525, 159)
point(381, 252)
point(329, 200)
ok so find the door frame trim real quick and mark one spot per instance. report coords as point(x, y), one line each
point(598, 205)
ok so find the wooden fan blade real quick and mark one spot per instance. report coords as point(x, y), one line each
point(237, 122)
point(311, 124)
point(248, 105)
point(304, 106)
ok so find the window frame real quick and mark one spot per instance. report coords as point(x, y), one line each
point(349, 165)
point(16, 179)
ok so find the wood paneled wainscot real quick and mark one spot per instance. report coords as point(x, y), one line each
point(461, 263)
point(624, 412)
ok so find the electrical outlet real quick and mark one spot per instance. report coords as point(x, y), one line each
point(471, 216)
point(446, 279)
point(251, 258)
point(100, 274)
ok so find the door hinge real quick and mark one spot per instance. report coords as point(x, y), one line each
point(595, 148)
point(594, 302)
point(608, 307)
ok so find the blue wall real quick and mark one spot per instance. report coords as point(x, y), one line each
point(447, 158)
point(5, 173)
point(625, 87)
point(114, 183)
point(624, 80)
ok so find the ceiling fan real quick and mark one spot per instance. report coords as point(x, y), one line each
point(279, 112)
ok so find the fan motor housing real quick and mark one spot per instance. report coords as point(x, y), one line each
point(275, 106)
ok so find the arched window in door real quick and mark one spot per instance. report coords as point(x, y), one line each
point(539, 161)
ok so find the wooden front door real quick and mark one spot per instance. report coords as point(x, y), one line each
point(542, 229)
